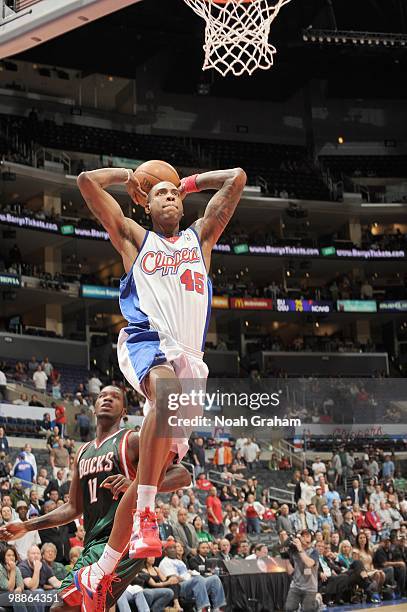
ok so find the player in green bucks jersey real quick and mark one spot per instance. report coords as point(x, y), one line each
point(104, 468)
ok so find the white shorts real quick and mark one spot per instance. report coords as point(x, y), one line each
point(137, 356)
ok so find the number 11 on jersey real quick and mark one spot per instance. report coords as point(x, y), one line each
point(93, 484)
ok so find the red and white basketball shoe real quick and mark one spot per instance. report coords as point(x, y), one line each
point(145, 539)
point(94, 586)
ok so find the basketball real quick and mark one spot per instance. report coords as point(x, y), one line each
point(155, 171)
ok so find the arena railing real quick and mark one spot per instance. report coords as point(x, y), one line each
point(281, 495)
point(190, 468)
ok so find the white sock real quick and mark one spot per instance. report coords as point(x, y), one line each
point(109, 559)
point(146, 497)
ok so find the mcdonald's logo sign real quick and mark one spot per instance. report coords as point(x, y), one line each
point(251, 303)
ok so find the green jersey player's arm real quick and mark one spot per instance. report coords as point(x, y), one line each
point(176, 477)
point(220, 208)
point(67, 513)
point(125, 234)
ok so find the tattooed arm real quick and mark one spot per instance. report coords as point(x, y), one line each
point(221, 207)
point(125, 234)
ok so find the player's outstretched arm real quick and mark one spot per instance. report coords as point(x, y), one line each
point(126, 235)
point(60, 516)
point(220, 208)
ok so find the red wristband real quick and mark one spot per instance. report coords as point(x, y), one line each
point(189, 185)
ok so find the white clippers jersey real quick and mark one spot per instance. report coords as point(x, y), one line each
point(168, 289)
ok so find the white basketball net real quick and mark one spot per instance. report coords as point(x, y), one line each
point(237, 34)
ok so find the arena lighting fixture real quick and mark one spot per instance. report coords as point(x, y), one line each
point(350, 37)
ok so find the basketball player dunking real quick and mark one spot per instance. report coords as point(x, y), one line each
point(103, 470)
point(166, 298)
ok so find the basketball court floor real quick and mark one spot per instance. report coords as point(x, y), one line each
point(399, 605)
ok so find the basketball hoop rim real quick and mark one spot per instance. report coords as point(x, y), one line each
point(230, 1)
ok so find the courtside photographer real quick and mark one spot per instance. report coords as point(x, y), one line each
point(304, 585)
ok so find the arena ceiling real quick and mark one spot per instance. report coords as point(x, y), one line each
point(166, 34)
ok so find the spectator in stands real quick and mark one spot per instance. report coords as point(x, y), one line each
point(59, 458)
point(164, 526)
point(357, 494)
point(242, 549)
point(325, 519)
point(385, 518)
point(20, 371)
point(206, 592)
point(3, 386)
point(157, 592)
point(201, 534)
point(33, 365)
point(30, 457)
point(185, 533)
point(331, 496)
point(35, 402)
point(49, 555)
point(301, 517)
point(52, 441)
point(284, 463)
point(260, 551)
point(253, 511)
point(383, 558)
point(364, 553)
point(308, 490)
point(225, 548)
point(6, 514)
point(10, 575)
point(198, 562)
point(79, 537)
point(60, 418)
point(59, 536)
point(55, 377)
point(283, 521)
point(223, 456)
point(349, 528)
point(40, 380)
point(318, 467)
point(319, 500)
point(34, 503)
point(46, 424)
point(175, 504)
point(4, 447)
point(377, 496)
point(203, 483)
point(22, 400)
point(17, 493)
point(37, 574)
point(94, 386)
point(80, 400)
point(344, 558)
point(83, 423)
point(47, 367)
point(58, 484)
point(4, 468)
point(42, 478)
point(387, 468)
point(372, 521)
point(251, 453)
point(6, 501)
point(24, 470)
point(74, 555)
point(214, 513)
